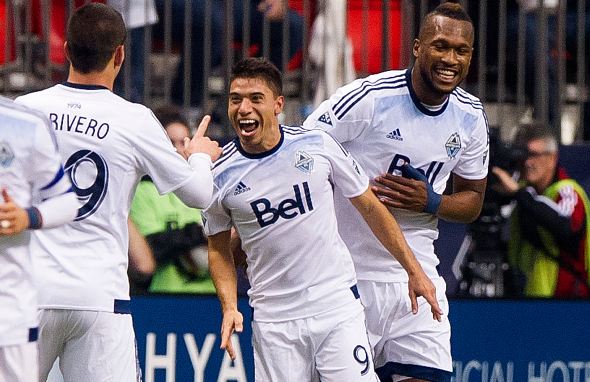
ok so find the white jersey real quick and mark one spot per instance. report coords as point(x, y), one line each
point(281, 203)
point(107, 144)
point(30, 170)
point(383, 125)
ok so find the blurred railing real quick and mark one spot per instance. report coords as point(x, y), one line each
point(529, 59)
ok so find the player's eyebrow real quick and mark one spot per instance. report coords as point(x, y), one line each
point(237, 94)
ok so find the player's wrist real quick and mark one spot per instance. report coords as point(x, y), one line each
point(35, 218)
point(433, 201)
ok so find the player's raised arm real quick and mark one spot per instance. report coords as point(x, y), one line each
point(386, 229)
point(223, 273)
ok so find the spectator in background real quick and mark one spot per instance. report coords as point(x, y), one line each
point(549, 245)
point(172, 230)
point(142, 263)
point(275, 11)
point(138, 15)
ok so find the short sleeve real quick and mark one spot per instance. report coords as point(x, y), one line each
point(50, 178)
point(216, 218)
point(158, 158)
point(474, 162)
point(345, 115)
point(346, 174)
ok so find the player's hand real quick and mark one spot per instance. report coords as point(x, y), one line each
point(411, 191)
point(505, 185)
point(202, 144)
point(233, 321)
point(13, 219)
point(421, 285)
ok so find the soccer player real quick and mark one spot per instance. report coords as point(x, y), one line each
point(107, 144)
point(274, 184)
point(35, 194)
point(411, 129)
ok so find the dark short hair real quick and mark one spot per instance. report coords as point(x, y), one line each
point(94, 32)
point(170, 114)
point(257, 67)
point(451, 9)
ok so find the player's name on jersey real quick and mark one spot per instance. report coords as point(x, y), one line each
point(79, 124)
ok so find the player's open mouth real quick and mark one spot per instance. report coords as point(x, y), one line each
point(445, 75)
point(248, 126)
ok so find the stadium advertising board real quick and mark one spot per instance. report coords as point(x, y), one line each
point(492, 341)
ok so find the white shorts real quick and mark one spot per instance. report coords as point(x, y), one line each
point(91, 346)
point(18, 363)
point(332, 347)
point(407, 345)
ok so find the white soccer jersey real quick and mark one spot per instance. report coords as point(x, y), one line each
point(107, 145)
point(30, 169)
point(281, 203)
point(383, 125)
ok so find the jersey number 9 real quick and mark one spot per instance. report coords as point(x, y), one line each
point(90, 178)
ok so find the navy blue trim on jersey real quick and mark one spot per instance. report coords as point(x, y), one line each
point(122, 306)
point(464, 100)
point(33, 334)
point(58, 176)
point(395, 82)
point(262, 154)
point(294, 130)
point(228, 150)
point(420, 372)
point(85, 87)
point(417, 102)
point(355, 291)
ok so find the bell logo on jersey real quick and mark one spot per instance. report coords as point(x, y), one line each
point(267, 215)
point(6, 154)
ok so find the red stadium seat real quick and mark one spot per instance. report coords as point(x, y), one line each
point(6, 34)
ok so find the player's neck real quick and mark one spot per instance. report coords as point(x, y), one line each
point(92, 78)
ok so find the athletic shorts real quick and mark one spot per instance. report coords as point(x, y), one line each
point(91, 346)
point(407, 345)
point(331, 347)
point(18, 363)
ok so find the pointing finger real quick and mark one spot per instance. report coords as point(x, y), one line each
point(203, 126)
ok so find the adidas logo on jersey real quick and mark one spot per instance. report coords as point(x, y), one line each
point(325, 118)
point(241, 188)
point(395, 134)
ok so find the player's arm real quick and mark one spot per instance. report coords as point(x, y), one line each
point(223, 273)
point(386, 229)
point(413, 192)
point(465, 203)
point(50, 213)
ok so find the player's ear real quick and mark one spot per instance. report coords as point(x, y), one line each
point(279, 103)
point(416, 47)
point(66, 51)
point(119, 55)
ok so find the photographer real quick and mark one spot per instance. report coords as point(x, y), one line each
point(548, 247)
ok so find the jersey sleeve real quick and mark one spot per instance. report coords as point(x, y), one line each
point(50, 178)
point(346, 114)
point(216, 218)
point(346, 174)
point(474, 162)
point(157, 156)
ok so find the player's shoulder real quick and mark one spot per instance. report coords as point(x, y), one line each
point(467, 101)
point(229, 153)
point(348, 100)
point(22, 112)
